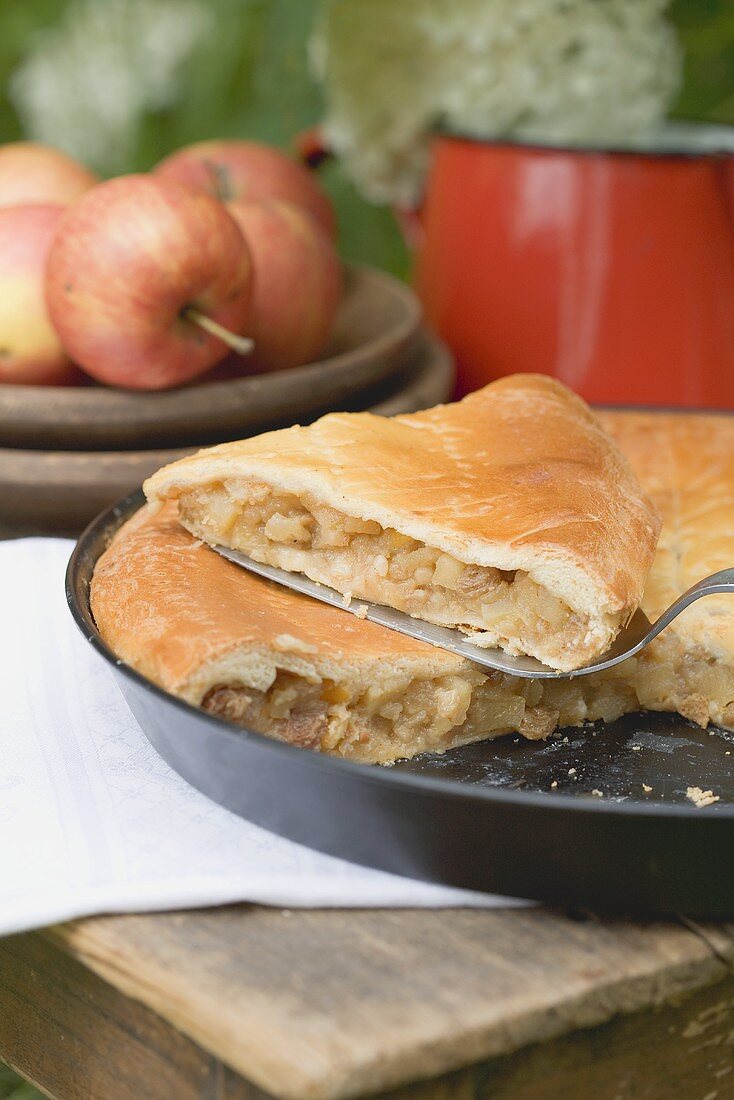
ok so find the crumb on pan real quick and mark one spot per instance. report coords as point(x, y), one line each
point(695, 707)
point(701, 798)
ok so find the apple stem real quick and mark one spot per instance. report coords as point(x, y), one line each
point(243, 345)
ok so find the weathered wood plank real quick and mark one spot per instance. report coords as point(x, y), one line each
point(336, 1004)
point(720, 937)
point(683, 1051)
point(78, 1038)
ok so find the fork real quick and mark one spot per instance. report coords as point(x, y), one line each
point(632, 638)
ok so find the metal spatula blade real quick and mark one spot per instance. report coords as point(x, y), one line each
point(638, 633)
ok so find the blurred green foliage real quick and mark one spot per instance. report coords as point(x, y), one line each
point(249, 77)
point(12, 1088)
point(706, 30)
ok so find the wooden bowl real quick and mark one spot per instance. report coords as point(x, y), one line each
point(378, 320)
point(58, 492)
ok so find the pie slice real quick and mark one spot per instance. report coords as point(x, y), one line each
point(510, 514)
point(267, 659)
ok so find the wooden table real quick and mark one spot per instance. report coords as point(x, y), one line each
point(245, 1002)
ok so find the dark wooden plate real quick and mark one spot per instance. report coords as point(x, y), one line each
point(377, 323)
point(60, 491)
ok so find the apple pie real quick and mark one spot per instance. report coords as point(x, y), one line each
point(510, 514)
point(296, 670)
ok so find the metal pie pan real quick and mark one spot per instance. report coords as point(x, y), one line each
point(484, 817)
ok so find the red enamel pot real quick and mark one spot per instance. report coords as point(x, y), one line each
point(609, 269)
point(613, 271)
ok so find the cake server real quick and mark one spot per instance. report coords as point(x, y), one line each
point(632, 638)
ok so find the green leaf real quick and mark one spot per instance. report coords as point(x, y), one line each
point(13, 1087)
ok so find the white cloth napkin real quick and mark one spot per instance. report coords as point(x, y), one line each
point(92, 820)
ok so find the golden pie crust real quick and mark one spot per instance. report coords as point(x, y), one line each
point(510, 514)
point(299, 671)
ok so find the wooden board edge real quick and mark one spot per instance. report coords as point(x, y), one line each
point(337, 1076)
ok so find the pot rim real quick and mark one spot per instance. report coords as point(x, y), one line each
point(677, 139)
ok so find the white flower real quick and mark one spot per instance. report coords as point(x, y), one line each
point(88, 80)
point(575, 71)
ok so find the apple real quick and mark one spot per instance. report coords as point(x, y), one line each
point(148, 282)
point(298, 282)
point(34, 173)
point(249, 171)
point(30, 351)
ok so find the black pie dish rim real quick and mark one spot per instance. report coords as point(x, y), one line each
point(713, 824)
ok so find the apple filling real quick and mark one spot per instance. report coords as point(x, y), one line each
point(389, 720)
point(385, 722)
point(394, 718)
point(361, 558)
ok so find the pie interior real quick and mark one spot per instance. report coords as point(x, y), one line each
point(362, 558)
point(398, 717)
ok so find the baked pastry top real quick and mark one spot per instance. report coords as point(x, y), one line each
point(511, 514)
point(685, 463)
point(292, 668)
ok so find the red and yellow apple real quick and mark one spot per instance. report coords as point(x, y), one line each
point(248, 171)
point(35, 173)
point(298, 283)
point(139, 268)
point(30, 350)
